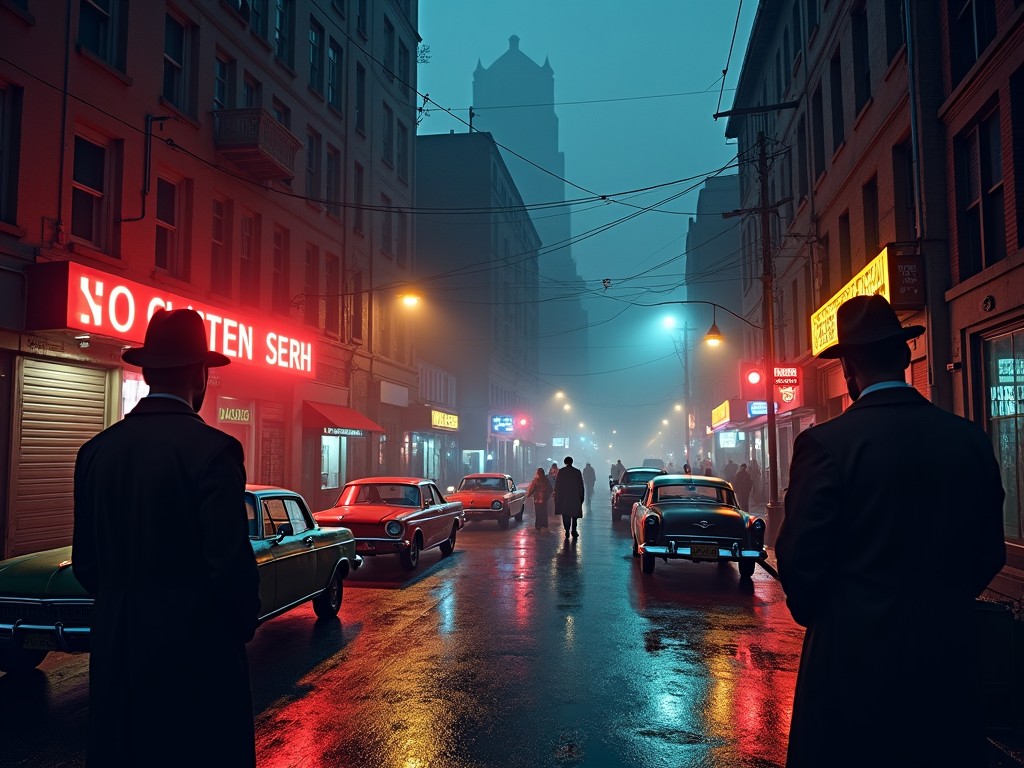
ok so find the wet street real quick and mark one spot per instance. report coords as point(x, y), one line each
point(522, 649)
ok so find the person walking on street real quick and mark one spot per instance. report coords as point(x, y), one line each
point(617, 469)
point(540, 491)
point(743, 484)
point(729, 470)
point(168, 669)
point(890, 647)
point(552, 476)
point(589, 479)
point(569, 496)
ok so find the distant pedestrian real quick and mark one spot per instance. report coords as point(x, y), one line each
point(168, 673)
point(687, 470)
point(617, 471)
point(569, 496)
point(708, 470)
point(755, 474)
point(589, 479)
point(891, 646)
point(552, 477)
point(743, 484)
point(729, 470)
point(540, 491)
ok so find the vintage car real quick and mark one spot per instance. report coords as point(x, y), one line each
point(43, 608)
point(630, 488)
point(696, 518)
point(396, 515)
point(490, 496)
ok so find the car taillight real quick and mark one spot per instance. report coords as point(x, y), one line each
point(652, 526)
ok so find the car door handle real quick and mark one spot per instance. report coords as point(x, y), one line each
point(308, 541)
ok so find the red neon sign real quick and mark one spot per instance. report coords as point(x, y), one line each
point(104, 304)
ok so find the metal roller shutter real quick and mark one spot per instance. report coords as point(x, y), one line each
point(62, 406)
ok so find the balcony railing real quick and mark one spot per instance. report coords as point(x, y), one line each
point(254, 141)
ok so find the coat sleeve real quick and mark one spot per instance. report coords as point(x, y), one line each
point(227, 553)
point(804, 547)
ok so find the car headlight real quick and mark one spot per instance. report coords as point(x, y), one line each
point(393, 528)
point(496, 505)
point(757, 528)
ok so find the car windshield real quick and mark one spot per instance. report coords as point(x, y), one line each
point(397, 494)
point(711, 494)
point(482, 484)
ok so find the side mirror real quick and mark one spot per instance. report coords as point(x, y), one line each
point(451, 489)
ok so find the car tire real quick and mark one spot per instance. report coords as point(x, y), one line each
point(448, 545)
point(522, 509)
point(746, 568)
point(636, 548)
point(14, 661)
point(411, 557)
point(503, 521)
point(647, 563)
point(327, 604)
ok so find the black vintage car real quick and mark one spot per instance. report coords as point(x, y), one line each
point(631, 488)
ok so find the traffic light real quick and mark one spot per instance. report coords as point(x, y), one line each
point(752, 381)
point(522, 422)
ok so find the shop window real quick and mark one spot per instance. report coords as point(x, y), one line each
point(1004, 388)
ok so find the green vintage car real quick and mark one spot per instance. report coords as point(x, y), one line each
point(43, 608)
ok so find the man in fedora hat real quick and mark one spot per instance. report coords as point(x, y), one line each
point(161, 540)
point(882, 566)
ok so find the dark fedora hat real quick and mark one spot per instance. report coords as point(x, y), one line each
point(865, 320)
point(174, 338)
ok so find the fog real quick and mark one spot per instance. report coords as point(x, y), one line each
point(635, 92)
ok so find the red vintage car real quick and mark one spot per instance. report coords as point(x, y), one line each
point(490, 496)
point(396, 515)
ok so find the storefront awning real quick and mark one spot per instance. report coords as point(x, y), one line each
point(318, 415)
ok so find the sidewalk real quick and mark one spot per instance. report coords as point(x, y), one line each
point(1006, 746)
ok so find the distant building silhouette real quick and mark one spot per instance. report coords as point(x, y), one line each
point(528, 139)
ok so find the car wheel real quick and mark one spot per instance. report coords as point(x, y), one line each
point(503, 522)
point(647, 563)
point(411, 557)
point(327, 604)
point(636, 548)
point(15, 661)
point(746, 568)
point(448, 545)
point(519, 517)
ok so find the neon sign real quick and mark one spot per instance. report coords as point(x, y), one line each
point(104, 304)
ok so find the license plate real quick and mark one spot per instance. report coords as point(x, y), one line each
point(704, 551)
point(38, 642)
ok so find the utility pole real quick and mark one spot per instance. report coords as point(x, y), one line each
point(688, 409)
point(774, 509)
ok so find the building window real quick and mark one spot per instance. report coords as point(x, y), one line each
point(169, 229)
point(801, 159)
point(223, 77)
point(335, 75)
point(360, 98)
point(845, 255)
point(869, 197)
point(220, 247)
point(812, 15)
point(10, 150)
point(824, 268)
point(316, 56)
point(389, 49)
point(402, 247)
point(388, 136)
point(386, 225)
point(818, 127)
point(282, 114)
point(177, 86)
point(361, 21)
point(904, 210)
point(90, 203)
point(333, 179)
point(284, 26)
point(402, 150)
point(358, 306)
point(836, 83)
point(258, 20)
point(332, 294)
point(861, 60)
point(1017, 141)
point(1004, 379)
point(980, 214)
point(404, 67)
point(314, 183)
point(972, 26)
point(280, 299)
point(358, 216)
point(311, 286)
point(102, 30)
point(894, 28)
point(249, 259)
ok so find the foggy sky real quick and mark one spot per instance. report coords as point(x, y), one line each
point(622, 65)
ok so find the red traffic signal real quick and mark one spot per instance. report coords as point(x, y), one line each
point(752, 381)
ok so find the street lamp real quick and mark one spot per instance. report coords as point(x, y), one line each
point(714, 338)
